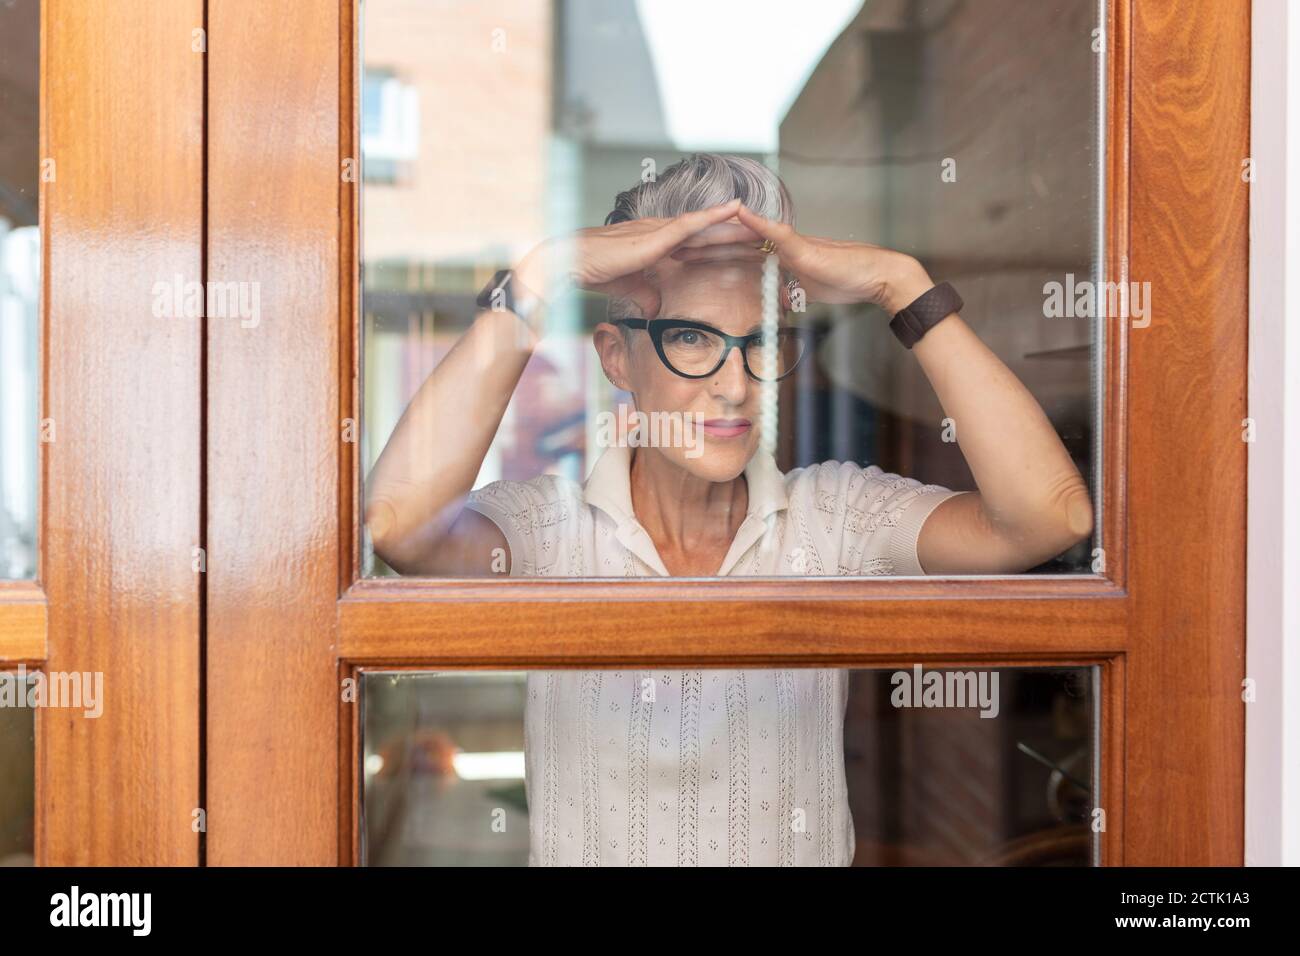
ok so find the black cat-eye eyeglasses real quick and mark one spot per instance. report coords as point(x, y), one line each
point(696, 350)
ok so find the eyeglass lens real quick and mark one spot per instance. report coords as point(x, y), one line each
point(698, 352)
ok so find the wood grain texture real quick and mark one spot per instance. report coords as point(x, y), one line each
point(1164, 623)
point(273, 434)
point(1113, 705)
point(23, 621)
point(1115, 409)
point(612, 628)
point(349, 819)
point(122, 117)
point(1187, 399)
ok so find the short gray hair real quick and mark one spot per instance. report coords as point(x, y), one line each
point(699, 181)
point(702, 180)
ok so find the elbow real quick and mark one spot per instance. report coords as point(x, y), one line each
point(397, 540)
point(1070, 514)
point(380, 519)
point(1078, 513)
point(1057, 522)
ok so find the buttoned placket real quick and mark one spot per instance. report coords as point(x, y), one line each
point(612, 495)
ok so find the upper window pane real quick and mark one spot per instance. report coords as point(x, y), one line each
point(20, 283)
point(638, 401)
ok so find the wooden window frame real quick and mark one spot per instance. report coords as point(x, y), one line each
point(289, 619)
point(120, 499)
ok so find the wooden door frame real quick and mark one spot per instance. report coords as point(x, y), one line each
point(288, 620)
point(121, 101)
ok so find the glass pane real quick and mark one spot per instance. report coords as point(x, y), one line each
point(730, 767)
point(935, 142)
point(17, 772)
point(20, 283)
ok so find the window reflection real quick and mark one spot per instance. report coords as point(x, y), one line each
point(928, 779)
point(962, 135)
point(20, 260)
point(17, 772)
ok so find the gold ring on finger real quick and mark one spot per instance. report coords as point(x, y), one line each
point(768, 247)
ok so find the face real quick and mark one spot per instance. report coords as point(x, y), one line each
point(728, 296)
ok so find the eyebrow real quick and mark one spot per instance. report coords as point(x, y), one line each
point(693, 319)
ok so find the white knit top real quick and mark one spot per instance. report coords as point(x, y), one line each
point(700, 767)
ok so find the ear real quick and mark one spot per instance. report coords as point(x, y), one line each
point(612, 349)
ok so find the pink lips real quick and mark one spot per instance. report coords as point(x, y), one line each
point(726, 427)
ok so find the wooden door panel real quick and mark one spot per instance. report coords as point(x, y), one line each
point(122, 115)
point(289, 621)
point(274, 447)
point(1187, 460)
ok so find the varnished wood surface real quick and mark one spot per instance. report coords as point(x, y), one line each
point(620, 630)
point(274, 435)
point(1166, 626)
point(122, 119)
point(23, 615)
point(1115, 407)
point(1187, 399)
point(348, 820)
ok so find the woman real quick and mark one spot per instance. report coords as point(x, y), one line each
point(716, 766)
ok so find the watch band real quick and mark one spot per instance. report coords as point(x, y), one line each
point(502, 288)
point(925, 312)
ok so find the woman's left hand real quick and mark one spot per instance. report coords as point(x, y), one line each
point(828, 270)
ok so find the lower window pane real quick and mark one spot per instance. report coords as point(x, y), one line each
point(805, 767)
point(17, 772)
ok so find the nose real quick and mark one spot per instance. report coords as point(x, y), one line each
point(731, 383)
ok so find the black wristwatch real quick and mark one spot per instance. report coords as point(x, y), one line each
point(925, 312)
point(504, 294)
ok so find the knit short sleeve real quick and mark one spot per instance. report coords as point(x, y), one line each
point(904, 504)
point(869, 518)
point(538, 517)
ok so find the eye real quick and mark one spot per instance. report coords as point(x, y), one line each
point(686, 337)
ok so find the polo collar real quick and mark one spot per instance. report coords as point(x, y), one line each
point(609, 488)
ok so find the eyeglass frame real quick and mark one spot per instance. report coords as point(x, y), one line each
point(655, 329)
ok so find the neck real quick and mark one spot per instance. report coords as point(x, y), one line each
point(682, 510)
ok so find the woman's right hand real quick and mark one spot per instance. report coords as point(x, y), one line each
point(611, 260)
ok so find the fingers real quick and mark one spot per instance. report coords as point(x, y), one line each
point(778, 232)
point(656, 245)
point(691, 223)
point(723, 232)
point(715, 253)
point(791, 248)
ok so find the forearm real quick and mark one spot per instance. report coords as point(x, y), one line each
point(429, 464)
point(1032, 503)
point(1030, 489)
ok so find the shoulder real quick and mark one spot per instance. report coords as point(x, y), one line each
point(876, 515)
point(541, 518)
point(529, 505)
point(849, 481)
